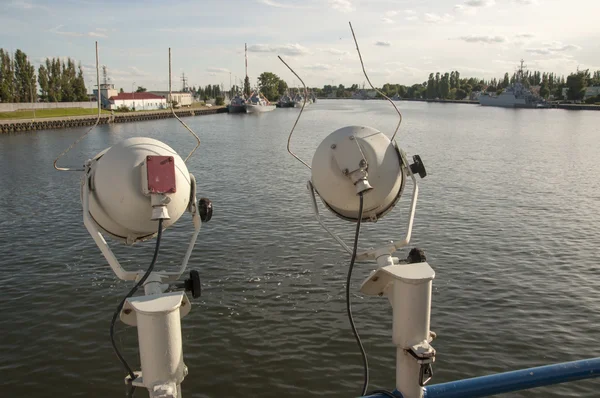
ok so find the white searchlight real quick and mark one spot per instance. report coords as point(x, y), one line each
point(123, 181)
point(131, 192)
point(357, 160)
point(347, 162)
point(360, 174)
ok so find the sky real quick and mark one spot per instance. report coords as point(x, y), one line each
point(401, 41)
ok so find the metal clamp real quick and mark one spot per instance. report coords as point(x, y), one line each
point(425, 356)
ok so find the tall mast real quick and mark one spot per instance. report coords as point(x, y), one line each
point(246, 55)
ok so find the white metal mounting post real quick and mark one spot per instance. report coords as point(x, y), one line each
point(408, 287)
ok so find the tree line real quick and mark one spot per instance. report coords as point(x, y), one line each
point(59, 81)
point(451, 85)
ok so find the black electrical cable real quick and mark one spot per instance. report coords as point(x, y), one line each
point(348, 303)
point(131, 293)
point(349, 309)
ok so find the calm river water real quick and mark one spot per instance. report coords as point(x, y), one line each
point(509, 217)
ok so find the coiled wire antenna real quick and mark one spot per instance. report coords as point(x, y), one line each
point(90, 129)
point(306, 95)
point(376, 89)
point(177, 117)
point(98, 119)
point(299, 114)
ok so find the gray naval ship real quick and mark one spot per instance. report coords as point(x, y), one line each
point(514, 96)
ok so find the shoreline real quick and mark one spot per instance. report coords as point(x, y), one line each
point(565, 106)
point(8, 126)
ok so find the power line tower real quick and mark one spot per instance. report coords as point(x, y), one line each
point(183, 82)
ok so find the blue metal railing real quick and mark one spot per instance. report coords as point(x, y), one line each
point(517, 380)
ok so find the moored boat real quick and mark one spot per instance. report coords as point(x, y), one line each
point(258, 104)
point(237, 105)
point(517, 95)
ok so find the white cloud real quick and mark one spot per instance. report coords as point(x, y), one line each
point(479, 3)
point(470, 70)
point(217, 70)
point(138, 72)
point(96, 34)
point(410, 15)
point(341, 5)
point(525, 36)
point(26, 5)
point(470, 6)
point(101, 29)
point(400, 67)
point(318, 67)
point(273, 3)
point(132, 71)
point(387, 20)
point(286, 49)
point(435, 18)
point(391, 13)
point(58, 30)
point(483, 39)
point(526, 2)
point(383, 43)
point(334, 51)
point(552, 48)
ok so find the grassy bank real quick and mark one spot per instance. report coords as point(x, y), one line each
point(42, 113)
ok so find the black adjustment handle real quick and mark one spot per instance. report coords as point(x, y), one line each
point(206, 209)
point(418, 167)
point(193, 284)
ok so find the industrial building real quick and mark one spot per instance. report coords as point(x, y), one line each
point(138, 101)
point(182, 98)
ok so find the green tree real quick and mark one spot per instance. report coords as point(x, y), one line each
point(437, 86)
point(79, 86)
point(24, 78)
point(445, 86)
point(282, 86)
point(140, 89)
point(44, 83)
point(67, 81)
point(595, 80)
point(54, 79)
point(268, 84)
point(431, 86)
point(6, 77)
point(544, 91)
point(506, 81)
point(461, 94)
point(577, 82)
point(402, 91)
point(121, 91)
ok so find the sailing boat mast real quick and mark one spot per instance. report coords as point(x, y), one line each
point(246, 56)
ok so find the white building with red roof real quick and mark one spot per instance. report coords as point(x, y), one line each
point(138, 101)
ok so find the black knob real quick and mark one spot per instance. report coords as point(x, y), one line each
point(418, 167)
point(416, 255)
point(193, 284)
point(206, 209)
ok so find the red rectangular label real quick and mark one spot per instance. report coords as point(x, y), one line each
point(161, 174)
